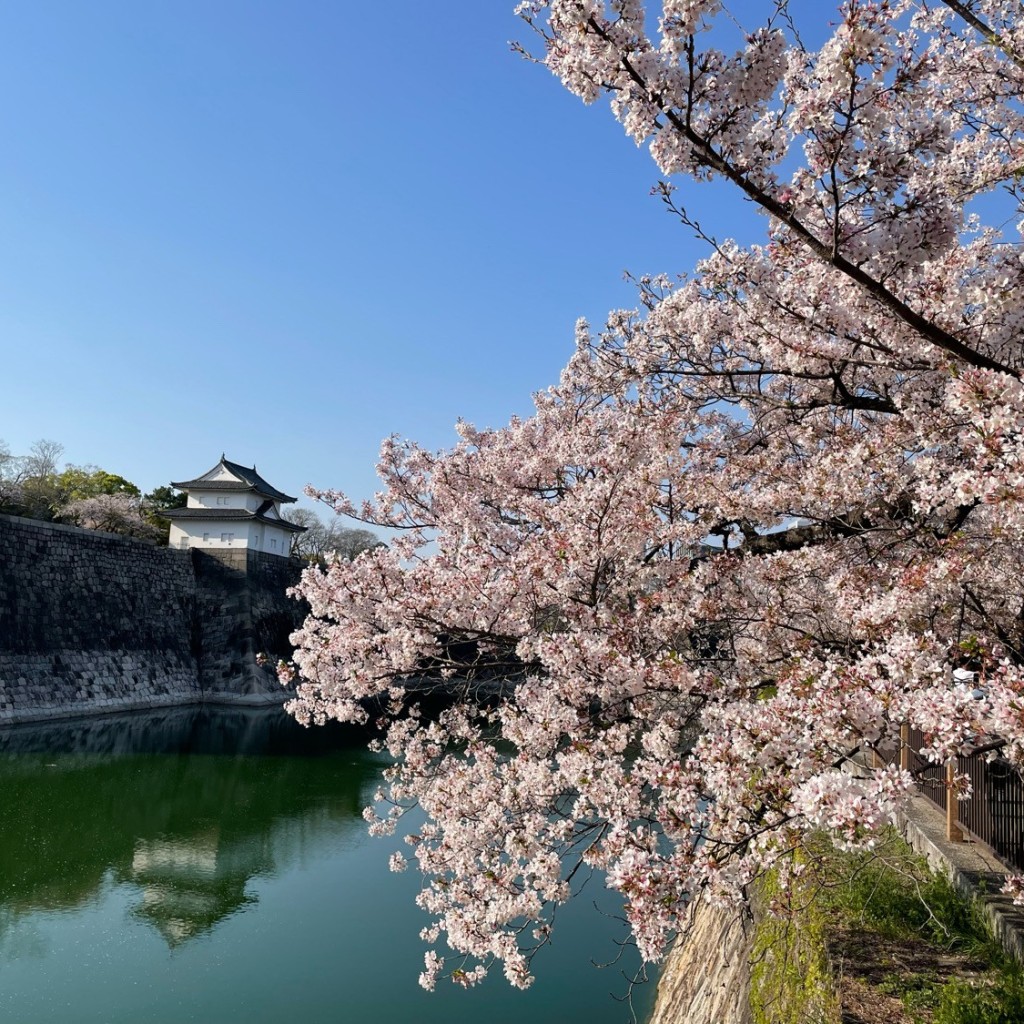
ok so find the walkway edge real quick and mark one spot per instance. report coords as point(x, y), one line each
point(972, 868)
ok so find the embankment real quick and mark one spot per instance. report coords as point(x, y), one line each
point(706, 978)
point(93, 623)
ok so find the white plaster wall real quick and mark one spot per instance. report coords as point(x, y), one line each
point(219, 499)
point(276, 542)
point(209, 534)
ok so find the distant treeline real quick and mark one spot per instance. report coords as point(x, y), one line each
point(35, 485)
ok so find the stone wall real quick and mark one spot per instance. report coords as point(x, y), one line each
point(242, 612)
point(706, 978)
point(93, 622)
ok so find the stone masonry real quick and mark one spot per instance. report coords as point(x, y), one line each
point(93, 622)
point(243, 611)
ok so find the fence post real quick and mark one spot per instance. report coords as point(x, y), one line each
point(953, 831)
point(905, 747)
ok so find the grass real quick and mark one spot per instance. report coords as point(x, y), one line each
point(877, 937)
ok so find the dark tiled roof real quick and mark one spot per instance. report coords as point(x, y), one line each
point(248, 480)
point(213, 485)
point(235, 514)
point(251, 477)
point(207, 513)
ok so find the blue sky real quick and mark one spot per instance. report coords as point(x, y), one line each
point(287, 230)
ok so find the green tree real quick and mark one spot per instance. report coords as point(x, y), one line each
point(78, 482)
point(162, 497)
point(165, 496)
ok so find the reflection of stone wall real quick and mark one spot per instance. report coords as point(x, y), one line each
point(92, 622)
point(160, 731)
point(213, 731)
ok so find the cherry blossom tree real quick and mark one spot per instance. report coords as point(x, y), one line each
point(121, 512)
point(760, 520)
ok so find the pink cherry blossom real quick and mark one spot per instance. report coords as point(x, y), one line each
point(758, 522)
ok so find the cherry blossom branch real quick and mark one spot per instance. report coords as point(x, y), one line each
point(926, 328)
point(985, 31)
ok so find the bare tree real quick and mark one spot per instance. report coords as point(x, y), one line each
point(323, 541)
point(11, 471)
point(43, 458)
point(29, 484)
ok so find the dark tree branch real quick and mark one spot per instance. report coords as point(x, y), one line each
point(986, 31)
point(926, 328)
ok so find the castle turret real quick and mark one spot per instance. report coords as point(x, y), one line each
point(231, 506)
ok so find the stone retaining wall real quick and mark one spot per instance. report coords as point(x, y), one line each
point(93, 622)
point(242, 611)
point(706, 976)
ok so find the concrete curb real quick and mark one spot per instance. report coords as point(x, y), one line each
point(973, 869)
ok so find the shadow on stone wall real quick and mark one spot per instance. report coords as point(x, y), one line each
point(94, 623)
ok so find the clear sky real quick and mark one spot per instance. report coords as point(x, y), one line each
point(286, 230)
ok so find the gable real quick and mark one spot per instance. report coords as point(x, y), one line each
point(221, 472)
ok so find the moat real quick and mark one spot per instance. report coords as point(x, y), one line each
point(212, 865)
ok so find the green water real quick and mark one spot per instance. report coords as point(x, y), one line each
point(213, 866)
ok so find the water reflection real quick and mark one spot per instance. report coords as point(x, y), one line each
point(198, 729)
point(203, 865)
point(98, 801)
point(187, 887)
